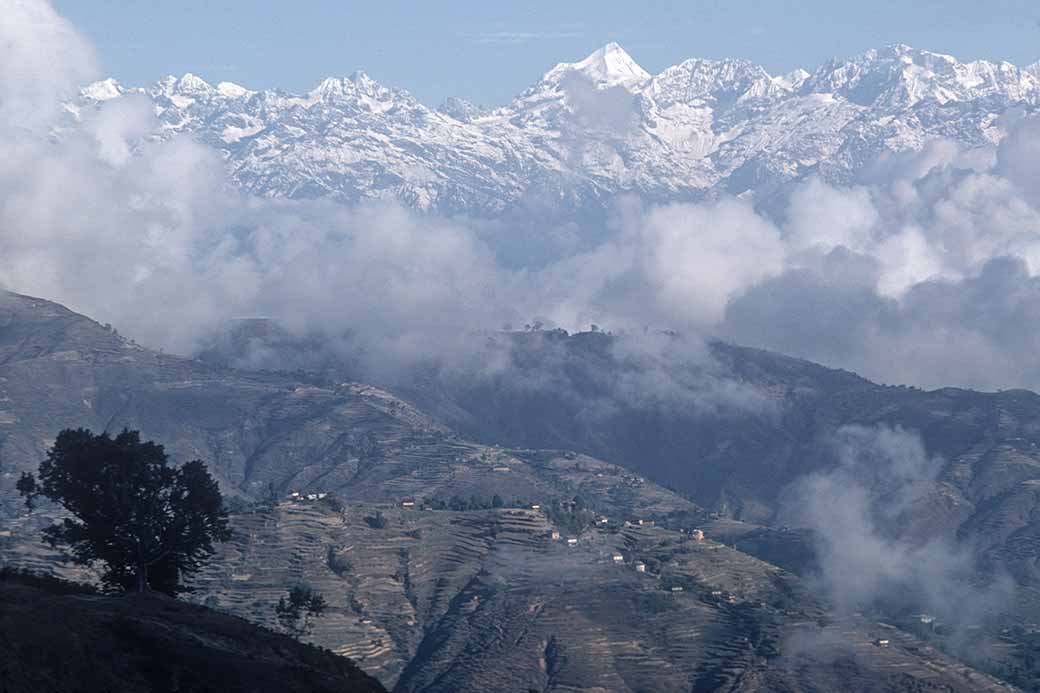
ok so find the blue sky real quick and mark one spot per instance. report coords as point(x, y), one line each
point(488, 51)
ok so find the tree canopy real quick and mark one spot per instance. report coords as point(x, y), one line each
point(303, 603)
point(147, 522)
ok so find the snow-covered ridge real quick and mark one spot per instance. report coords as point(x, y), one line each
point(590, 129)
point(607, 67)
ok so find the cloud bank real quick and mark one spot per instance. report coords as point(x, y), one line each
point(44, 60)
point(924, 272)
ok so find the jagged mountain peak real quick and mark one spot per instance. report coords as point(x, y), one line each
point(900, 76)
point(607, 66)
point(103, 90)
point(717, 81)
point(793, 79)
point(191, 85)
point(461, 109)
point(358, 86)
point(724, 70)
point(191, 82)
point(183, 91)
point(232, 90)
point(896, 52)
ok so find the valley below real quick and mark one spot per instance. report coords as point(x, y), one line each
point(450, 564)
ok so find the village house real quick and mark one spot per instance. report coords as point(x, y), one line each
point(640, 567)
point(617, 558)
point(555, 535)
point(572, 541)
point(408, 503)
point(697, 535)
point(676, 588)
point(881, 642)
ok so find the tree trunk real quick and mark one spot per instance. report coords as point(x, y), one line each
point(142, 577)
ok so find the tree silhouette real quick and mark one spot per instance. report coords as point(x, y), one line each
point(147, 522)
point(303, 603)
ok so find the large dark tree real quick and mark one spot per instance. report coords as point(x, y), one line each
point(147, 522)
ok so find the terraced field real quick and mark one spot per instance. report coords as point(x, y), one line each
point(440, 600)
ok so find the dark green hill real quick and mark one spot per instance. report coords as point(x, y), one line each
point(54, 638)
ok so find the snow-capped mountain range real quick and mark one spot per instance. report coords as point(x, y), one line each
point(591, 129)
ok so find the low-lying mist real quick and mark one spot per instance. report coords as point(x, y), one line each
point(865, 514)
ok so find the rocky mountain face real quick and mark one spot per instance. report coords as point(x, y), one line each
point(589, 130)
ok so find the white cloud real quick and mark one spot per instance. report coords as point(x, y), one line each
point(903, 277)
point(858, 510)
point(821, 217)
point(44, 60)
point(699, 257)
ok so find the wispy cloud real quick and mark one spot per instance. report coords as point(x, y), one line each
point(518, 37)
